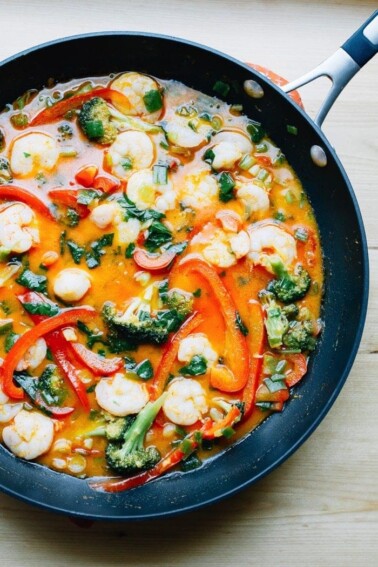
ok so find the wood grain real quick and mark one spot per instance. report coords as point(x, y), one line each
point(321, 506)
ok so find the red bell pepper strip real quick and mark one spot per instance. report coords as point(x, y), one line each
point(209, 431)
point(99, 365)
point(153, 263)
point(106, 184)
point(86, 175)
point(68, 198)
point(255, 340)
point(14, 193)
point(62, 107)
point(263, 394)
point(29, 338)
point(236, 349)
point(170, 353)
point(300, 368)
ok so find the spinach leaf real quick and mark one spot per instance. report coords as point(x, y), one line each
point(41, 309)
point(132, 210)
point(226, 186)
point(76, 251)
point(196, 367)
point(144, 369)
point(158, 234)
point(32, 281)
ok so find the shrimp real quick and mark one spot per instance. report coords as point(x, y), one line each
point(18, 232)
point(111, 214)
point(197, 344)
point(222, 249)
point(71, 284)
point(135, 86)
point(120, 395)
point(8, 411)
point(269, 241)
point(130, 152)
point(254, 197)
point(30, 435)
point(181, 134)
point(229, 149)
point(186, 401)
point(33, 356)
point(147, 194)
point(33, 153)
point(199, 190)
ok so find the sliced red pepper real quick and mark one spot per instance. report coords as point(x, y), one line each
point(29, 338)
point(299, 370)
point(236, 349)
point(106, 184)
point(170, 353)
point(153, 263)
point(68, 198)
point(86, 175)
point(20, 194)
point(99, 365)
point(263, 394)
point(62, 107)
point(255, 340)
point(217, 427)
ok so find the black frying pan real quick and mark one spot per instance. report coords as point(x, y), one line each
point(345, 263)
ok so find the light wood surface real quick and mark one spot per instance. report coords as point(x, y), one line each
point(321, 506)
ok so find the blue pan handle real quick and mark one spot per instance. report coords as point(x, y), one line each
point(343, 64)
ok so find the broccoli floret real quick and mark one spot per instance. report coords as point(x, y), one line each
point(299, 336)
point(276, 322)
point(5, 171)
point(139, 325)
point(94, 120)
point(181, 302)
point(65, 131)
point(51, 386)
point(291, 311)
point(132, 456)
point(289, 287)
point(116, 427)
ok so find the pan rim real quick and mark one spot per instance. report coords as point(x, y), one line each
point(361, 320)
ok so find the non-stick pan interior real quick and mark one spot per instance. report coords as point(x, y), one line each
point(345, 262)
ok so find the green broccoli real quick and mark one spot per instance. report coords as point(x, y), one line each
point(132, 456)
point(5, 171)
point(94, 120)
point(51, 386)
point(276, 322)
point(299, 336)
point(289, 287)
point(290, 311)
point(113, 429)
point(139, 325)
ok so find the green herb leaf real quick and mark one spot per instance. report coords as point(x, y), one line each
point(158, 234)
point(86, 196)
point(196, 367)
point(132, 210)
point(292, 129)
point(42, 309)
point(32, 281)
point(197, 292)
point(153, 100)
point(130, 250)
point(240, 325)
point(10, 340)
point(256, 131)
point(72, 217)
point(76, 251)
point(144, 370)
point(226, 186)
point(160, 174)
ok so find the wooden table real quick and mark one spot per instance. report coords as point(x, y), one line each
point(321, 506)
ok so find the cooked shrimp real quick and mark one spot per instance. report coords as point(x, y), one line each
point(186, 401)
point(127, 231)
point(71, 284)
point(105, 214)
point(120, 395)
point(229, 148)
point(33, 356)
point(197, 344)
point(8, 411)
point(18, 232)
point(254, 197)
point(221, 248)
point(30, 435)
point(33, 153)
point(146, 194)
point(130, 152)
point(269, 241)
point(135, 86)
point(181, 134)
point(108, 214)
point(199, 190)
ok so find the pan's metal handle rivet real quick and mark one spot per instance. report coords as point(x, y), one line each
point(253, 89)
point(318, 156)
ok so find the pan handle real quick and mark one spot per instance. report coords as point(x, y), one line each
point(343, 64)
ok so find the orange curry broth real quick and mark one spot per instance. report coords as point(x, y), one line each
point(113, 279)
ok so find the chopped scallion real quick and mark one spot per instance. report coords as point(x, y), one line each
point(292, 129)
point(246, 162)
point(160, 174)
